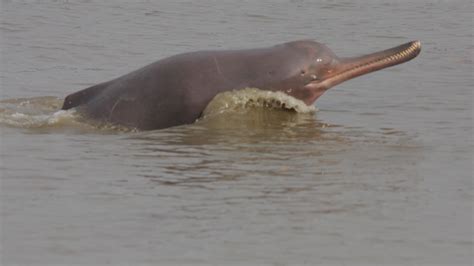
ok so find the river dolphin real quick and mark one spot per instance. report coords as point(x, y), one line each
point(175, 90)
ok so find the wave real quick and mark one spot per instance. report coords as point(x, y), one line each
point(40, 113)
point(45, 113)
point(250, 98)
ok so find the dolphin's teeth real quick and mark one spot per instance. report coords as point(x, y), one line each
point(417, 44)
point(385, 60)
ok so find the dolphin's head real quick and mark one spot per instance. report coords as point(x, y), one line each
point(321, 69)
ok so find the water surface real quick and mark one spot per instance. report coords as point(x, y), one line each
point(380, 174)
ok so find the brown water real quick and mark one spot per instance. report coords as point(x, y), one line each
point(381, 174)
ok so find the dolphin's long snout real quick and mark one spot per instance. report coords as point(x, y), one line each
point(348, 68)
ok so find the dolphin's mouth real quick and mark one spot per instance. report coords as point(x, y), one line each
point(348, 68)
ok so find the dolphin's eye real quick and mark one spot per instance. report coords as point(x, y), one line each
point(323, 60)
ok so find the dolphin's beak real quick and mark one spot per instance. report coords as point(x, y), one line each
point(348, 68)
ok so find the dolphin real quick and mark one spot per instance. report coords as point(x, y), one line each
point(175, 90)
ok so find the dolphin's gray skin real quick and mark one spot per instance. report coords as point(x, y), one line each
point(175, 90)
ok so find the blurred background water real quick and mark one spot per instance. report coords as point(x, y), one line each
point(381, 174)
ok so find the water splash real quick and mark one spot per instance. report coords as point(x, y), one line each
point(232, 101)
point(34, 113)
point(250, 104)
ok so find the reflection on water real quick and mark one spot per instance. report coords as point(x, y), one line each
point(210, 149)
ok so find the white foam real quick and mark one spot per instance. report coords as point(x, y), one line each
point(25, 120)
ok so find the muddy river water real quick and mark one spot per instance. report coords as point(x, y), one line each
point(379, 172)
